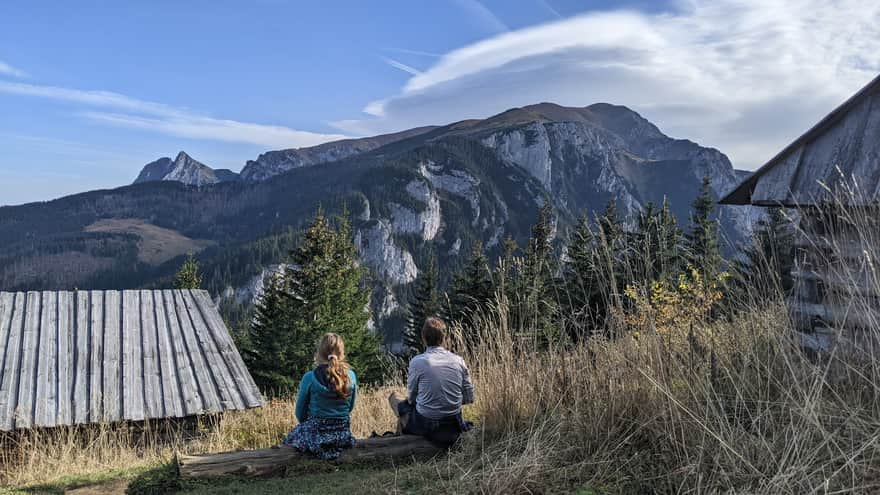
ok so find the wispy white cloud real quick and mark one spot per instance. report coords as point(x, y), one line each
point(158, 117)
point(416, 52)
point(745, 76)
point(482, 16)
point(545, 4)
point(197, 127)
point(401, 66)
point(8, 70)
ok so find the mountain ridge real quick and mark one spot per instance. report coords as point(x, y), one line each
point(439, 190)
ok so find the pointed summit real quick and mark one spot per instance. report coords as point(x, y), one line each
point(185, 169)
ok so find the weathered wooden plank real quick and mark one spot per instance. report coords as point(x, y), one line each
point(249, 391)
point(230, 397)
point(24, 414)
point(204, 380)
point(113, 358)
point(66, 358)
point(96, 361)
point(132, 385)
point(153, 392)
point(81, 378)
point(834, 148)
point(9, 372)
point(171, 400)
point(46, 400)
point(775, 185)
point(265, 462)
point(867, 157)
point(193, 402)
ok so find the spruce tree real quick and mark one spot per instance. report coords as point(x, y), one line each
point(610, 223)
point(472, 287)
point(702, 238)
point(670, 239)
point(658, 239)
point(579, 273)
point(188, 277)
point(765, 269)
point(540, 267)
point(425, 303)
point(507, 267)
point(322, 291)
point(612, 261)
point(267, 343)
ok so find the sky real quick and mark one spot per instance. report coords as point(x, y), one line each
point(90, 91)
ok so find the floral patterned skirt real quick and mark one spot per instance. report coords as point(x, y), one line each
point(323, 437)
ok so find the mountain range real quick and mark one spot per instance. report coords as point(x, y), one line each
point(435, 189)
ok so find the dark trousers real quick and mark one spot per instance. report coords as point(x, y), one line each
point(443, 431)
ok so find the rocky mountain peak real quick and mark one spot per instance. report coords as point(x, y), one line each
point(185, 169)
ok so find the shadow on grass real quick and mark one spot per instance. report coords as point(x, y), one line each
point(308, 476)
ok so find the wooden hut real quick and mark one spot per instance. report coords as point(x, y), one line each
point(81, 357)
point(830, 176)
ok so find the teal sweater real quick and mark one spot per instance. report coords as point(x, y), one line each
point(315, 400)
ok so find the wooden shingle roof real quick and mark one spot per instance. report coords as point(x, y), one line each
point(107, 356)
point(844, 145)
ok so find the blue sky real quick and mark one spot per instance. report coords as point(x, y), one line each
point(91, 91)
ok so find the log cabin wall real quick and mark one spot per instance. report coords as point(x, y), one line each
point(831, 176)
point(836, 293)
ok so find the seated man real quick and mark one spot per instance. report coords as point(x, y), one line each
point(438, 385)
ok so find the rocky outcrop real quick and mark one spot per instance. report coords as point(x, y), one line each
point(184, 169)
point(454, 181)
point(424, 223)
point(252, 290)
point(379, 252)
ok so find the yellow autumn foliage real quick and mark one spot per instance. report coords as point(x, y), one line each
point(669, 308)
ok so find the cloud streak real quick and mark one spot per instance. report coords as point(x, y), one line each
point(745, 76)
point(401, 66)
point(9, 70)
point(158, 117)
point(482, 16)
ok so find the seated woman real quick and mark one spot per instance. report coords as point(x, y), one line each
point(323, 406)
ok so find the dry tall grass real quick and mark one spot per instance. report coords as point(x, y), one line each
point(42, 456)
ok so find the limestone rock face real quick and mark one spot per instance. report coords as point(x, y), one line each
point(392, 263)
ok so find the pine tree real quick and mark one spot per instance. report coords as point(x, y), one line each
point(472, 287)
point(188, 277)
point(507, 267)
point(657, 243)
point(612, 261)
point(538, 296)
point(425, 303)
point(579, 273)
point(765, 270)
point(322, 291)
point(670, 240)
point(702, 238)
point(268, 344)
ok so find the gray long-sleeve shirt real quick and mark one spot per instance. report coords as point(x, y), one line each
point(439, 383)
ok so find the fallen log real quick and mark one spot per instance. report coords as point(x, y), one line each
point(275, 460)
